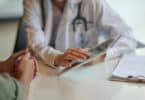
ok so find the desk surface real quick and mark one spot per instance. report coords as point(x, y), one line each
point(85, 83)
point(8, 32)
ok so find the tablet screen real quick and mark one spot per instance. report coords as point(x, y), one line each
point(98, 50)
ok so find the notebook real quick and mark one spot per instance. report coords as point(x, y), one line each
point(131, 68)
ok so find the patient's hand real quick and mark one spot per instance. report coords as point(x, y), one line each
point(20, 66)
point(26, 70)
point(7, 66)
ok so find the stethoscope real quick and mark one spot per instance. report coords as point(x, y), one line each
point(79, 18)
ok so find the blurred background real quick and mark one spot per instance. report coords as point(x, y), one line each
point(132, 11)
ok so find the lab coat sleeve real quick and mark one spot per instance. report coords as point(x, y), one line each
point(10, 89)
point(37, 39)
point(115, 27)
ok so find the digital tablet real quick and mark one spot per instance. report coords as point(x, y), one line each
point(94, 52)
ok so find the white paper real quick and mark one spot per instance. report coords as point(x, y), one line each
point(130, 65)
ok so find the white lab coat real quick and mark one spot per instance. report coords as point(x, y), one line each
point(104, 22)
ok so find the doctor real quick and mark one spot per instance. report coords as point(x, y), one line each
point(57, 28)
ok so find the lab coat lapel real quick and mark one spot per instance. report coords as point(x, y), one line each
point(65, 36)
point(49, 21)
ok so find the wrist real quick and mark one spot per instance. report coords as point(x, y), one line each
point(3, 66)
point(26, 88)
point(24, 83)
point(57, 60)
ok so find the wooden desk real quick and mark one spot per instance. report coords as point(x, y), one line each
point(8, 32)
point(85, 83)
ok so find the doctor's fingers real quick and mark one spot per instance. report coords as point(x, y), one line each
point(85, 51)
point(71, 57)
point(66, 63)
point(77, 53)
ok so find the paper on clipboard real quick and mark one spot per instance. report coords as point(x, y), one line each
point(130, 68)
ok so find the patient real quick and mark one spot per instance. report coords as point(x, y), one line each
point(16, 74)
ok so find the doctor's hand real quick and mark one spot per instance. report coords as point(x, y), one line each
point(70, 55)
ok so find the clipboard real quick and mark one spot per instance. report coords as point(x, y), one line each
point(131, 68)
point(135, 79)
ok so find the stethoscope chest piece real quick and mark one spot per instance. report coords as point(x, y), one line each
point(79, 19)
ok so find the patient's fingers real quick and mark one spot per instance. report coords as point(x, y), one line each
point(36, 67)
point(26, 56)
point(18, 54)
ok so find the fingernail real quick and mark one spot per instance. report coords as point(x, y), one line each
point(85, 57)
point(69, 65)
point(27, 49)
